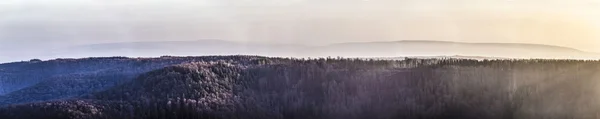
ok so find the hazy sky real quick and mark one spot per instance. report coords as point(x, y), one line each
point(43, 24)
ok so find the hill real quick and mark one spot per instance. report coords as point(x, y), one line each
point(342, 88)
point(23, 82)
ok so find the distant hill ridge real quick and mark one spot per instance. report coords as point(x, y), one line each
point(403, 48)
point(508, 44)
point(469, 43)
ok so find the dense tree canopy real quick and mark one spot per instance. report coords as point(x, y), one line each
point(248, 87)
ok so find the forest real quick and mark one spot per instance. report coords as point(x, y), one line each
point(256, 87)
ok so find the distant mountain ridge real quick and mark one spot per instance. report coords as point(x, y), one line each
point(466, 43)
point(420, 48)
point(214, 41)
point(403, 48)
point(501, 44)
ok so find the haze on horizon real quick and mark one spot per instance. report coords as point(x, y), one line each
point(30, 26)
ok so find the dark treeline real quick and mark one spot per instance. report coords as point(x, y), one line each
point(339, 88)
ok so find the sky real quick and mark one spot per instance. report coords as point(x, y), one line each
point(33, 25)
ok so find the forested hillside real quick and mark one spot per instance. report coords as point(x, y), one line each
point(246, 87)
point(29, 81)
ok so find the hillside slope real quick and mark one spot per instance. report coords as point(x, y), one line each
point(345, 89)
point(24, 82)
